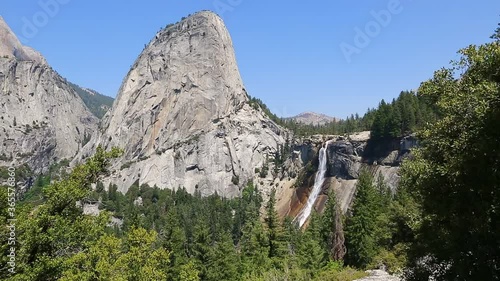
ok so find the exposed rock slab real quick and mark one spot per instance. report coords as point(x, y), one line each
point(379, 275)
point(43, 119)
point(347, 157)
point(10, 47)
point(183, 117)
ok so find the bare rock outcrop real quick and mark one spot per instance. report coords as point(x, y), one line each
point(42, 119)
point(347, 157)
point(10, 47)
point(379, 275)
point(183, 116)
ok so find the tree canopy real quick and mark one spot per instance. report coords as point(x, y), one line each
point(455, 176)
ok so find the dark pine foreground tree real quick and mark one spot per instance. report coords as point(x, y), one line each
point(361, 224)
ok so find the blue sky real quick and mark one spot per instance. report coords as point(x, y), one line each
point(291, 54)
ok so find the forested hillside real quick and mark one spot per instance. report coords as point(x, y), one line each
point(403, 115)
point(165, 235)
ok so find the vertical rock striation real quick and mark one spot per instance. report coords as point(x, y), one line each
point(183, 117)
point(42, 118)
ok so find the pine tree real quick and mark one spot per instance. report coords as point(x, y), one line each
point(332, 231)
point(223, 261)
point(99, 187)
point(174, 240)
point(395, 121)
point(409, 105)
point(253, 242)
point(496, 35)
point(274, 230)
point(380, 121)
point(247, 210)
point(291, 235)
point(360, 226)
point(254, 248)
point(112, 190)
point(383, 203)
point(311, 254)
point(202, 249)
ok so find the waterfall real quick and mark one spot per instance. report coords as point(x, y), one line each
point(318, 183)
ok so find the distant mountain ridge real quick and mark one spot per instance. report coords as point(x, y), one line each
point(312, 118)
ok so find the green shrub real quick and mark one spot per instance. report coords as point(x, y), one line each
point(394, 261)
point(335, 271)
point(126, 165)
point(4, 157)
point(264, 171)
point(235, 180)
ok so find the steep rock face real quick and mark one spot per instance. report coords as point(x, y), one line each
point(42, 118)
point(347, 156)
point(343, 160)
point(182, 115)
point(10, 47)
point(304, 151)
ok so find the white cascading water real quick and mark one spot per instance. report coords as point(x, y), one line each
point(318, 183)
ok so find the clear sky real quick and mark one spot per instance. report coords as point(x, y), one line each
point(294, 55)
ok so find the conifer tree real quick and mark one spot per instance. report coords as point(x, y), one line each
point(360, 226)
point(223, 261)
point(174, 240)
point(274, 230)
point(312, 255)
point(202, 249)
point(254, 248)
point(254, 241)
point(332, 231)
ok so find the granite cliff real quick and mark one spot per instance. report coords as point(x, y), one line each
point(10, 47)
point(184, 119)
point(347, 156)
point(43, 120)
